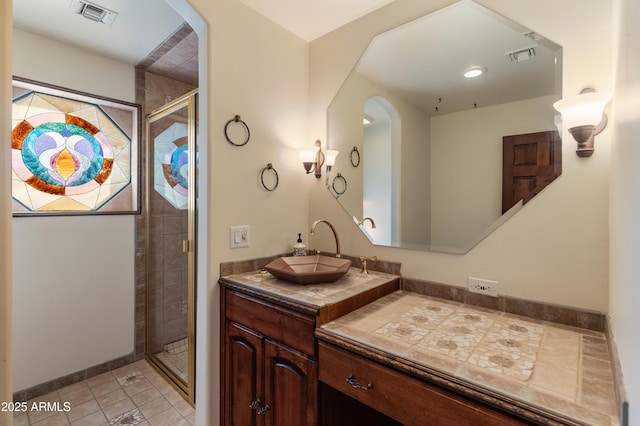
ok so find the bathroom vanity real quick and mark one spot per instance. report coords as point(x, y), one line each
point(270, 354)
point(362, 350)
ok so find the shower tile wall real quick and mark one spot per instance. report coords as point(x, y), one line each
point(167, 265)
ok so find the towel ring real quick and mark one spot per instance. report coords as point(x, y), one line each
point(339, 178)
point(355, 157)
point(264, 185)
point(237, 119)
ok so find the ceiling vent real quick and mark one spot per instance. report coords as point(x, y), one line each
point(93, 11)
point(521, 55)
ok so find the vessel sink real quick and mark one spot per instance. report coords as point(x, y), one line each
point(309, 269)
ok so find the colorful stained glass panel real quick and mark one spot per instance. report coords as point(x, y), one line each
point(170, 175)
point(69, 155)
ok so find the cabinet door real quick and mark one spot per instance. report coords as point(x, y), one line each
point(244, 376)
point(291, 387)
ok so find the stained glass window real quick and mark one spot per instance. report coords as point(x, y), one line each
point(171, 160)
point(72, 153)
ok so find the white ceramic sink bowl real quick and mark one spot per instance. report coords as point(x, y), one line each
point(309, 269)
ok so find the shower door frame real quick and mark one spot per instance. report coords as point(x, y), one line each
point(188, 246)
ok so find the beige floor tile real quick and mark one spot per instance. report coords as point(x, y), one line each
point(184, 407)
point(37, 416)
point(119, 408)
point(154, 407)
point(146, 396)
point(132, 417)
point(72, 389)
point(111, 397)
point(163, 386)
point(165, 418)
point(106, 387)
point(79, 397)
point(21, 420)
point(99, 379)
point(126, 370)
point(94, 419)
point(141, 385)
point(83, 410)
point(57, 419)
point(103, 401)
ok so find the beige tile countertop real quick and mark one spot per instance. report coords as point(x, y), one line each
point(557, 369)
point(316, 299)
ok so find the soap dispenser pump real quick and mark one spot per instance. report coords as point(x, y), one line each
point(299, 249)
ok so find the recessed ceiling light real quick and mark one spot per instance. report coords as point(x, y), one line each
point(474, 72)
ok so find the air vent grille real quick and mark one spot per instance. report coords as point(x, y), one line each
point(93, 11)
point(521, 55)
point(89, 11)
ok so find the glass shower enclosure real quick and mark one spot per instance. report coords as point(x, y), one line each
point(171, 209)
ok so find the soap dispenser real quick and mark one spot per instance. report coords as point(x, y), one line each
point(299, 249)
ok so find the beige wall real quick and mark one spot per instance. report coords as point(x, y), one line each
point(625, 200)
point(6, 384)
point(260, 71)
point(344, 119)
point(555, 249)
point(71, 315)
point(466, 190)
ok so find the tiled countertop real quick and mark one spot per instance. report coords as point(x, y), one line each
point(560, 370)
point(312, 297)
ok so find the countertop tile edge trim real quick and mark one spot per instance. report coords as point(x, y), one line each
point(573, 317)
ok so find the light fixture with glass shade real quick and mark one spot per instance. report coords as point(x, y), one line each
point(584, 116)
point(314, 159)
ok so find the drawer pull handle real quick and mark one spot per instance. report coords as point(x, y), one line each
point(356, 384)
point(255, 404)
point(263, 410)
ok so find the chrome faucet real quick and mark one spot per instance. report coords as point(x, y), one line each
point(335, 234)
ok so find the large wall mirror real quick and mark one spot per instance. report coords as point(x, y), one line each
point(433, 146)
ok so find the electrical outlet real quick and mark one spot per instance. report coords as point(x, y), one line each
point(239, 236)
point(482, 286)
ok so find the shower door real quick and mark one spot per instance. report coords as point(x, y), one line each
point(171, 192)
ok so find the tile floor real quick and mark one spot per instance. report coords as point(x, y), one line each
point(131, 395)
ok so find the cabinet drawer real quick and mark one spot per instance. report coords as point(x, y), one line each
point(400, 396)
point(291, 328)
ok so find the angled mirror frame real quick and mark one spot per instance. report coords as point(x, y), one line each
point(432, 151)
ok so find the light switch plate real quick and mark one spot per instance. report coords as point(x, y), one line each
point(239, 236)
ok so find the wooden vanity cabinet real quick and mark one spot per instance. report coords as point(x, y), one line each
point(404, 398)
point(269, 364)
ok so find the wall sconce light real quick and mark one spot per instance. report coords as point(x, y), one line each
point(331, 158)
point(314, 159)
point(584, 116)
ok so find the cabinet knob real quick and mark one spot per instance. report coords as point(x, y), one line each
point(357, 385)
point(263, 410)
point(255, 404)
